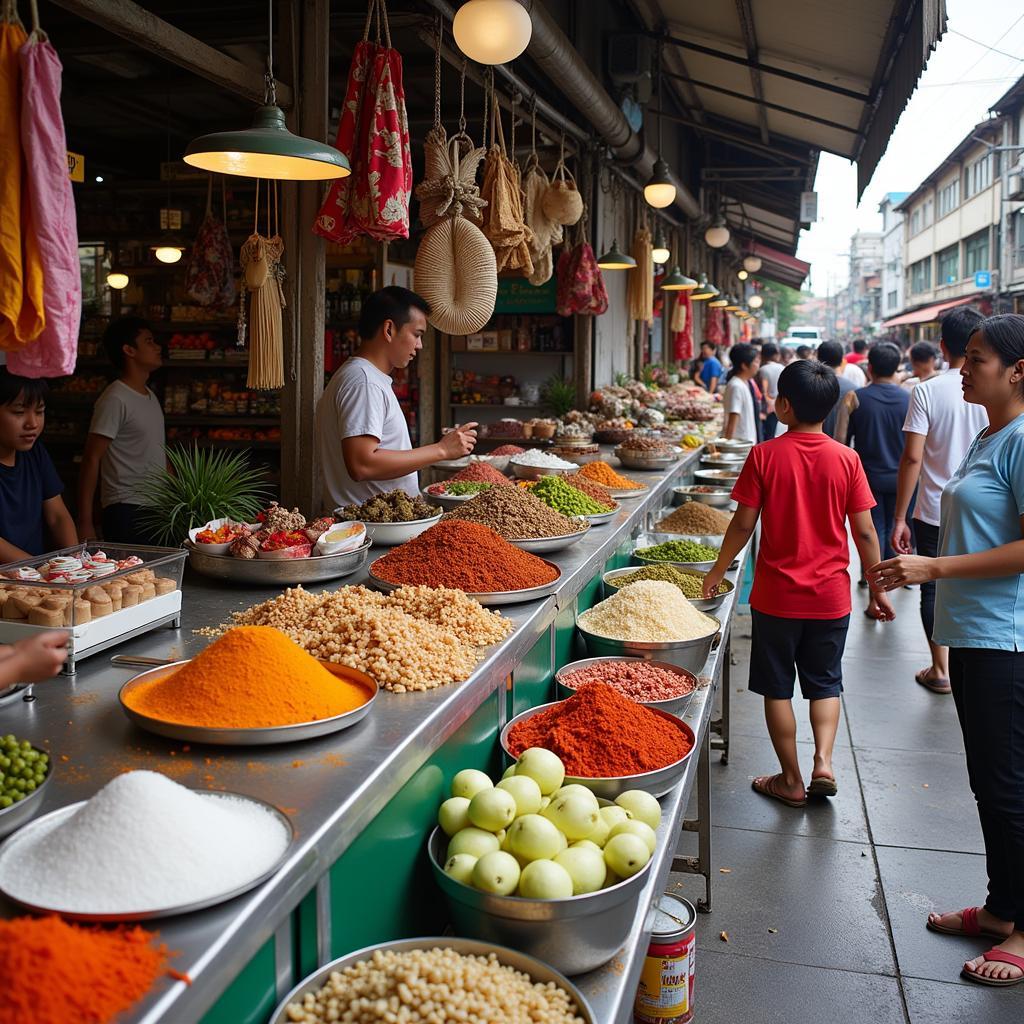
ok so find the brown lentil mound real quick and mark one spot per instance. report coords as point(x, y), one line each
point(515, 514)
point(591, 489)
point(695, 518)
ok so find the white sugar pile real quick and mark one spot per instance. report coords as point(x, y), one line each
point(649, 610)
point(144, 843)
point(544, 460)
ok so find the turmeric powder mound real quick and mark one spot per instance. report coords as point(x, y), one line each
point(252, 677)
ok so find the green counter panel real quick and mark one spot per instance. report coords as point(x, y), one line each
point(568, 644)
point(252, 996)
point(531, 681)
point(382, 887)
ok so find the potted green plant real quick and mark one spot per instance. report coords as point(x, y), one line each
point(201, 484)
point(558, 396)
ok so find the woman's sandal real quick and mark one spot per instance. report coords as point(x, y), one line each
point(997, 956)
point(823, 786)
point(968, 926)
point(939, 685)
point(767, 788)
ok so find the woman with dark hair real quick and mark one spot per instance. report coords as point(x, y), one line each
point(979, 615)
point(742, 403)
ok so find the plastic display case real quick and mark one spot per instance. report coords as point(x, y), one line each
point(100, 610)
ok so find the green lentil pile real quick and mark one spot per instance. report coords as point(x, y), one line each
point(392, 507)
point(564, 498)
point(679, 551)
point(22, 769)
point(688, 582)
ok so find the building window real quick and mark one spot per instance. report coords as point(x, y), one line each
point(978, 176)
point(915, 221)
point(890, 300)
point(947, 269)
point(921, 275)
point(1018, 238)
point(926, 213)
point(976, 253)
point(949, 197)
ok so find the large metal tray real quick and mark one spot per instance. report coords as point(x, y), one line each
point(542, 545)
point(495, 598)
point(21, 845)
point(261, 737)
point(536, 969)
point(604, 517)
point(284, 572)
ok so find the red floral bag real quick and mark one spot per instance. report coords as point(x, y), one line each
point(374, 134)
point(580, 284)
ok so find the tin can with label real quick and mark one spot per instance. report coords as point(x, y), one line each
point(665, 994)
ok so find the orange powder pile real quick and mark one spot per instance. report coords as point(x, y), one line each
point(602, 473)
point(252, 677)
point(54, 973)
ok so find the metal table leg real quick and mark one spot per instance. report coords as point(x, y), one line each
point(701, 864)
point(721, 725)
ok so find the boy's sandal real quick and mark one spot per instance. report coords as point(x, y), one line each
point(997, 956)
point(823, 786)
point(767, 788)
point(968, 926)
point(939, 685)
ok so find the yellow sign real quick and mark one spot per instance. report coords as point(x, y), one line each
point(76, 166)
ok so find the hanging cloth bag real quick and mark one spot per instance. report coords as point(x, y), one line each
point(562, 200)
point(580, 288)
point(210, 278)
point(546, 232)
point(374, 133)
point(51, 208)
point(681, 325)
point(22, 313)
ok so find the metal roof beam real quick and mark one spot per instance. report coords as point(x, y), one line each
point(773, 152)
point(746, 19)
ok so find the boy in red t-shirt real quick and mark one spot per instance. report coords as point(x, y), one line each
point(803, 486)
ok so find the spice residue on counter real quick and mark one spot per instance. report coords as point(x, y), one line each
point(252, 677)
point(599, 734)
point(651, 611)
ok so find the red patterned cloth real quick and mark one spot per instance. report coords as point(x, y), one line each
point(682, 340)
point(374, 134)
point(715, 329)
point(580, 285)
point(210, 278)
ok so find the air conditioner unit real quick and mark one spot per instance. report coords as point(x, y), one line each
point(1015, 185)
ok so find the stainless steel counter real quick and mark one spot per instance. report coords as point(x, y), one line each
point(331, 787)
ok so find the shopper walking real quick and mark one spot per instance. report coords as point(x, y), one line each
point(979, 615)
point(771, 367)
point(742, 402)
point(804, 488)
point(831, 354)
point(939, 429)
point(924, 364)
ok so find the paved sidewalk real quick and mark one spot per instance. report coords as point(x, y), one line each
point(824, 907)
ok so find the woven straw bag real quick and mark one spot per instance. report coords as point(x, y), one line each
point(562, 200)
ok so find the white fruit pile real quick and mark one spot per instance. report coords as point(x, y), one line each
point(531, 836)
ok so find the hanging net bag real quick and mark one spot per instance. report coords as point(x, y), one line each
point(210, 278)
point(373, 133)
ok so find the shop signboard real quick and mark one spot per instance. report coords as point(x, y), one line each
point(982, 279)
point(76, 166)
point(517, 295)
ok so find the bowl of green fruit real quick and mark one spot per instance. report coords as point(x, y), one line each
point(25, 772)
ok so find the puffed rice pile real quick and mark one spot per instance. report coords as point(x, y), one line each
point(434, 986)
point(417, 638)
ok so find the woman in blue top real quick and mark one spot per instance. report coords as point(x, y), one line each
point(979, 614)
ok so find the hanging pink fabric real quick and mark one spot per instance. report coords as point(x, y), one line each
point(210, 279)
point(579, 283)
point(51, 207)
point(682, 340)
point(714, 328)
point(374, 134)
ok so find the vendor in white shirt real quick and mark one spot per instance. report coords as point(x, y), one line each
point(361, 430)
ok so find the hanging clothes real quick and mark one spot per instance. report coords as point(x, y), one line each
point(682, 328)
point(373, 133)
point(210, 278)
point(51, 203)
point(715, 330)
point(22, 310)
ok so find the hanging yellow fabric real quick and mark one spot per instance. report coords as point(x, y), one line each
point(22, 317)
point(640, 286)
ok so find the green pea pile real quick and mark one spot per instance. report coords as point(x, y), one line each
point(22, 769)
point(459, 487)
point(564, 498)
point(689, 583)
point(679, 551)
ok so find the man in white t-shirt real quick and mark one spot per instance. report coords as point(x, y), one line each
point(126, 437)
point(741, 415)
point(771, 367)
point(939, 429)
point(361, 431)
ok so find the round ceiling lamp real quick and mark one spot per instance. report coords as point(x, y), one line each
point(742, 275)
point(755, 301)
point(717, 235)
point(676, 281)
point(492, 31)
point(615, 259)
point(660, 252)
point(752, 264)
point(168, 252)
point(704, 289)
point(659, 191)
point(117, 279)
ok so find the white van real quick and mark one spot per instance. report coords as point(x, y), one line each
point(811, 336)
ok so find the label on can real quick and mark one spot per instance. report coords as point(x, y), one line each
point(665, 993)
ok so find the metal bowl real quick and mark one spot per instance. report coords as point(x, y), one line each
point(726, 460)
point(574, 935)
point(725, 444)
point(651, 540)
point(388, 534)
point(578, 458)
point(603, 517)
point(640, 460)
point(689, 654)
point(673, 705)
point(257, 737)
point(699, 603)
point(448, 501)
point(535, 969)
point(722, 477)
point(287, 572)
point(498, 462)
point(543, 545)
point(13, 817)
point(657, 783)
point(22, 845)
point(521, 472)
point(493, 598)
point(716, 499)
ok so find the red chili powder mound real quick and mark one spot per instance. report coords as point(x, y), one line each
point(480, 473)
point(508, 449)
point(464, 556)
point(600, 734)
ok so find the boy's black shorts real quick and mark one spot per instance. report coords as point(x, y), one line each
point(782, 648)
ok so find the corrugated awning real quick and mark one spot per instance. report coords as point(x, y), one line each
point(926, 314)
point(780, 266)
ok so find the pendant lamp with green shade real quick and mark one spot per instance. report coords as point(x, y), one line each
point(615, 259)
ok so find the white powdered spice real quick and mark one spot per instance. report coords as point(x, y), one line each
point(145, 843)
point(651, 610)
point(535, 457)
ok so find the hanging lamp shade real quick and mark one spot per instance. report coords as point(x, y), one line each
point(660, 253)
point(755, 301)
point(752, 264)
point(169, 249)
point(704, 289)
point(731, 305)
point(492, 31)
point(676, 281)
point(117, 279)
point(742, 275)
point(615, 259)
point(718, 301)
point(659, 191)
point(267, 150)
point(717, 235)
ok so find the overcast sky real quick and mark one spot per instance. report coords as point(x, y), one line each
point(963, 78)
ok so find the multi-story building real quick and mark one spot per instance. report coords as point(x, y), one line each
point(892, 253)
point(1010, 262)
point(860, 307)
